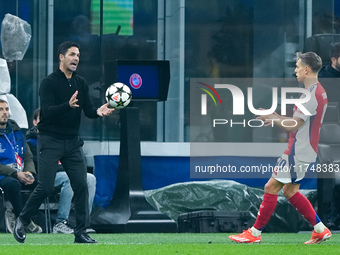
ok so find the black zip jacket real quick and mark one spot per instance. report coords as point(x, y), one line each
point(57, 118)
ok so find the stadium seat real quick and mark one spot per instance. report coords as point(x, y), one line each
point(332, 113)
point(329, 158)
point(46, 207)
point(320, 44)
point(3, 210)
point(329, 143)
point(26, 193)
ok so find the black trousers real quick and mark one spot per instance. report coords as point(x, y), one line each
point(12, 187)
point(70, 153)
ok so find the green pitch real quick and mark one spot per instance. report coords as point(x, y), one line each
point(166, 244)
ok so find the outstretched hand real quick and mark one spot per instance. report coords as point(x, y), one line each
point(104, 110)
point(73, 100)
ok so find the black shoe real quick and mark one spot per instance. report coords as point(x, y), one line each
point(84, 238)
point(19, 231)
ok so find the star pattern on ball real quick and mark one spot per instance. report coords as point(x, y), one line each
point(130, 95)
point(120, 103)
point(118, 95)
point(120, 90)
point(109, 97)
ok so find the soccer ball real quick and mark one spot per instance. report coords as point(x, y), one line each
point(118, 95)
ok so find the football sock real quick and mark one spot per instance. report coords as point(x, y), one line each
point(302, 204)
point(255, 232)
point(266, 210)
point(319, 228)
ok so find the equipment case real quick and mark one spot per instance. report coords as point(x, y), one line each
point(213, 222)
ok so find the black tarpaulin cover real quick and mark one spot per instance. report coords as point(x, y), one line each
point(227, 195)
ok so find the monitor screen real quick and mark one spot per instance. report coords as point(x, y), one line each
point(147, 79)
point(143, 80)
point(117, 17)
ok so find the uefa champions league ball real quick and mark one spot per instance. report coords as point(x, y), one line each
point(118, 95)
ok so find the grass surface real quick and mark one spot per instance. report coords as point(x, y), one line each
point(166, 244)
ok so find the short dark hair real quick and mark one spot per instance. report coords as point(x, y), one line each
point(3, 101)
point(36, 113)
point(334, 52)
point(64, 46)
point(310, 59)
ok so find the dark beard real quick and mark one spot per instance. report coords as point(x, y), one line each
point(337, 66)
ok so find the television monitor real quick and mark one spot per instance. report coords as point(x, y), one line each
point(118, 17)
point(147, 79)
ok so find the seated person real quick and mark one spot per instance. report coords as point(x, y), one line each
point(66, 193)
point(17, 169)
